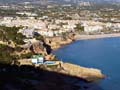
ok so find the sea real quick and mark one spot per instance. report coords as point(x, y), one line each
point(103, 54)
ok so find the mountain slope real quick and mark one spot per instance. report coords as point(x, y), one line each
point(60, 1)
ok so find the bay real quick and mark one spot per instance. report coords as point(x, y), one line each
point(103, 54)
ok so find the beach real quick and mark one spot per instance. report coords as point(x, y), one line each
point(87, 37)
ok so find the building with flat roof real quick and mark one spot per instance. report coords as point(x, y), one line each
point(37, 59)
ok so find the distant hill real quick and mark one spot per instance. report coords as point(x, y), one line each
point(15, 1)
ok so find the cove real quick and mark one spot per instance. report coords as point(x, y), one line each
point(103, 54)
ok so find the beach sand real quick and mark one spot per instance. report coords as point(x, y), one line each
point(87, 37)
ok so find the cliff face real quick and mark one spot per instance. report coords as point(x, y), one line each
point(40, 47)
point(37, 48)
point(57, 42)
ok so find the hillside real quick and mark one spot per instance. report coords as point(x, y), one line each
point(61, 1)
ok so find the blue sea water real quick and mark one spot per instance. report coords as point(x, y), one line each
point(103, 54)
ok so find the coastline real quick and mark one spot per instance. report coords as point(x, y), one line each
point(85, 37)
point(94, 74)
point(90, 37)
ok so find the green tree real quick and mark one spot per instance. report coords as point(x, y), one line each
point(11, 34)
point(79, 28)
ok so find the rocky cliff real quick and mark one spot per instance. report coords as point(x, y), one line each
point(88, 74)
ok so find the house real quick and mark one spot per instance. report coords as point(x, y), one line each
point(95, 28)
point(47, 33)
point(53, 26)
point(29, 33)
point(37, 59)
point(26, 13)
point(39, 25)
point(92, 26)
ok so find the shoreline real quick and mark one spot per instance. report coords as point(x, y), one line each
point(96, 73)
point(88, 37)
point(100, 36)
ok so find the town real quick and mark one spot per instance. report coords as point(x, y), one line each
point(49, 26)
point(58, 24)
point(31, 31)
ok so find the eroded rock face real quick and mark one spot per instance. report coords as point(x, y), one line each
point(88, 74)
point(40, 48)
point(37, 48)
point(47, 47)
point(57, 42)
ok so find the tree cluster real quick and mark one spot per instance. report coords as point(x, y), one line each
point(11, 34)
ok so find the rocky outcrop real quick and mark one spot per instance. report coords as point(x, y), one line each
point(57, 42)
point(37, 47)
point(88, 74)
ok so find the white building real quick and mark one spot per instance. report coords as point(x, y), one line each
point(29, 33)
point(69, 27)
point(95, 28)
point(37, 59)
point(40, 25)
point(108, 25)
point(46, 33)
point(26, 13)
point(53, 26)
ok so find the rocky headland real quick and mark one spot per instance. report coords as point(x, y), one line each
point(89, 74)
